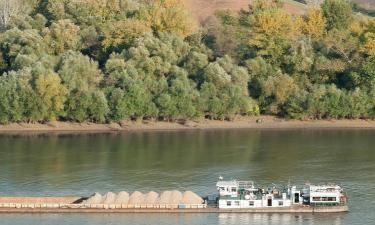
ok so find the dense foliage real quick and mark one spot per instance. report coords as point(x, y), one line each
point(111, 60)
point(318, 65)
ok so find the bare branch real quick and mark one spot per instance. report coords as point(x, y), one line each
point(9, 9)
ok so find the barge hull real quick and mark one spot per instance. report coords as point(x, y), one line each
point(331, 209)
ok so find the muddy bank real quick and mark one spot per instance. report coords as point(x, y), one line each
point(261, 122)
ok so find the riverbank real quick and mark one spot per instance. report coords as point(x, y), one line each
point(261, 122)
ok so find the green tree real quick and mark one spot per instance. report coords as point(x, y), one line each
point(21, 48)
point(79, 72)
point(117, 105)
point(98, 109)
point(14, 90)
point(77, 106)
point(184, 96)
point(338, 13)
point(62, 36)
point(275, 93)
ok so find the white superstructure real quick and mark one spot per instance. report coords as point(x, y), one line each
point(324, 194)
point(244, 194)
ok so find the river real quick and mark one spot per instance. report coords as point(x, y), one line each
point(79, 164)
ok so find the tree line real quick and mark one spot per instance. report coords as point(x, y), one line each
point(112, 60)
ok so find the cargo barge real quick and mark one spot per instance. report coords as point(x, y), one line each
point(231, 197)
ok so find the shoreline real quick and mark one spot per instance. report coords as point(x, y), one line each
point(267, 122)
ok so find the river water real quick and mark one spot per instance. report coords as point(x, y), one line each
point(80, 164)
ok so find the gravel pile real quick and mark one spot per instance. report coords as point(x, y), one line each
point(122, 198)
point(136, 198)
point(176, 197)
point(164, 197)
point(151, 198)
point(190, 197)
point(109, 198)
point(96, 198)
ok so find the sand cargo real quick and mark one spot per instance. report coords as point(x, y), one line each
point(232, 196)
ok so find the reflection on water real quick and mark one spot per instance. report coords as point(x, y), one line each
point(284, 218)
point(188, 219)
point(65, 164)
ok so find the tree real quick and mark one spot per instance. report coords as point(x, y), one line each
point(77, 106)
point(225, 103)
point(119, 35)
point(62, 36)
point(359, 104)
point(21, 48)
point(195, 64)
point(216, 74)
point(166, 106)
point(168, 16)
point(224, 71)
point(117, 104)
point(276, 91)
point(14, 88)
point(338, 13)
point(342, 51)
point(139, 102)
point(296, 105)
point(314, 23)
point(79, 72)
point(183, 96)
point(110, 60)
point(367, 33)
point(10, 9)
point(367, 73)
point(98, 109)
point(224, 32)
point(51, 92)
point(271, 32)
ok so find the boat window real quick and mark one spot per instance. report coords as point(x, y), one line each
point(251, 203)
point(229, 203)
point(237, 203)
point(222, 188)
point(281, 203)
point(296, 197)
point(317, 199)
point(332, 199)
point(234, 189)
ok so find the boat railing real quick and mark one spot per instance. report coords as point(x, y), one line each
point(317, 205)
point(245, 184)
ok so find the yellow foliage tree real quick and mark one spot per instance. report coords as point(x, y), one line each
point(313, 24)
point(123, 32)
point(52, 93)
point(369, 46)
point(260, 5)
point(169, 16)
point(363, 28)
point(369, 39)
point(105, 8)
point(271, 30)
